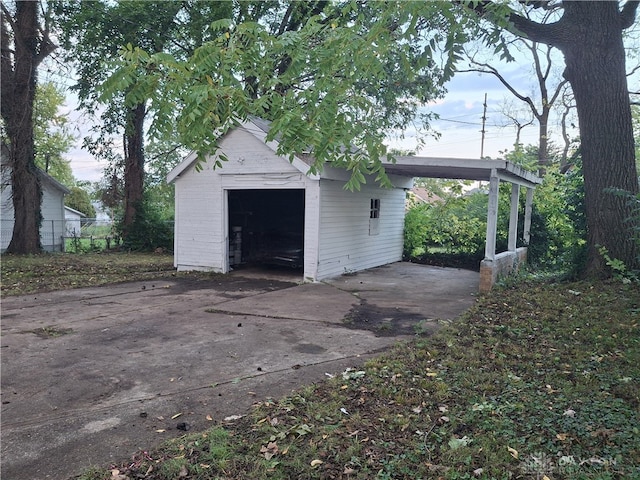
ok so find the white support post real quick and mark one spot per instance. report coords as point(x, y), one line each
point(527, 216)
point(492, 216)
point(513, 217)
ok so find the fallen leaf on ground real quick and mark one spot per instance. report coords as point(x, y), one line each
point(231, 418)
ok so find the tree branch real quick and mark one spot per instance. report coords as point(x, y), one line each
point(508, 86)
point(7, 16)
point(628, 13)
point(548, 33)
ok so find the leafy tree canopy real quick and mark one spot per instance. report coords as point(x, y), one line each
point(80, 200)
point(51, 132)
point(336, 87)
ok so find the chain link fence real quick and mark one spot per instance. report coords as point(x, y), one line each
point(71, 235)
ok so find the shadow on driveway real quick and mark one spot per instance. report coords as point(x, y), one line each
point(90, 376)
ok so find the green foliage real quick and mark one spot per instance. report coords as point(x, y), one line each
point(80, 200)
point(336, 86)
point(51, 133)
point(150, 230)
point(558, 223)
point(455, 226)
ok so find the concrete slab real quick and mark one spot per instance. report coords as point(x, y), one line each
point(90, 376)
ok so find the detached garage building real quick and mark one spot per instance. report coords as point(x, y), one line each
point(261, 208)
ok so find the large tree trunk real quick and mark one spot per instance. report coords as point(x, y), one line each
point(18, 96)
point(595, 67)
point(134, 166)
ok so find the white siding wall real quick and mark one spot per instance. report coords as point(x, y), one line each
point(201, 232)
point(345, 242)
point(52, 228)
point(6, 208)
point(72, 223)
point(196, 243)
point(53, 223)
point(336, 231)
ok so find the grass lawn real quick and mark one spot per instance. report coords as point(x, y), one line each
point(536, 381)
point(58, 271)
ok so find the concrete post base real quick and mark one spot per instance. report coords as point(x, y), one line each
point(504, 264)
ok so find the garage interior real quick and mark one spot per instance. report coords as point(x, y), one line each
point(266, 228)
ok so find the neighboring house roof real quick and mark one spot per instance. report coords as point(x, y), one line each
point(75, 212)
point(44, 177)
point(421, 194)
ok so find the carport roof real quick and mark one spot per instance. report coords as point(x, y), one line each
point(460, 168)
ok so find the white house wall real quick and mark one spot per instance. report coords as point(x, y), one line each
point(6, 212)
point(52, 228)
point(201, 235)
point(345, 241)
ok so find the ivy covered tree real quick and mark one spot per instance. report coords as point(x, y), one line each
point(25, 43)
point(590, 36)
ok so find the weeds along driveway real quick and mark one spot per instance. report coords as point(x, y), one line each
point(91, 376)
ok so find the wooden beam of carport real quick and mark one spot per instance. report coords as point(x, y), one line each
point(492, 171)
point(461, 168)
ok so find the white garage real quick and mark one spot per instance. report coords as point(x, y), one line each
point(259, 208)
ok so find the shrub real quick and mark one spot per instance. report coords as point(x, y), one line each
point(150, 229)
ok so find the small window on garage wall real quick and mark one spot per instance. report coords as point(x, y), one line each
point(374, 217)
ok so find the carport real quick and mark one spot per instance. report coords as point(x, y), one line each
point(494, 265)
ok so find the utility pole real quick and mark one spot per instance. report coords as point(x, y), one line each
point(484, 119)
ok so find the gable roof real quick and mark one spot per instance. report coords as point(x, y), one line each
point(257, 127)
point(74, 211)
point(404, 166)
point(44, 177)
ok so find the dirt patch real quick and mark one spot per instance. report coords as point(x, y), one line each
point(50, 331)
point(388, 322)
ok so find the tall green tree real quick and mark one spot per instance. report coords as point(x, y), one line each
point(351, 74)
point(80, 200)
point(25, 43)
point(92, 33)
point(52, 137)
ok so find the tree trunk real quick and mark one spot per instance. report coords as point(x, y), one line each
point(595, 67)
point(134, 166)
point(18, 96)
point(543, 140)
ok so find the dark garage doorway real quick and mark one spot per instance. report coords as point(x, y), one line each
point(266, 228)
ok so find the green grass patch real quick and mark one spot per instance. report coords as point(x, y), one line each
point(536, 380)
point(23, 274)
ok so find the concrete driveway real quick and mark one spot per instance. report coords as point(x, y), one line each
point(90, 376)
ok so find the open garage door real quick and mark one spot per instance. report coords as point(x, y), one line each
point(266, 227)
